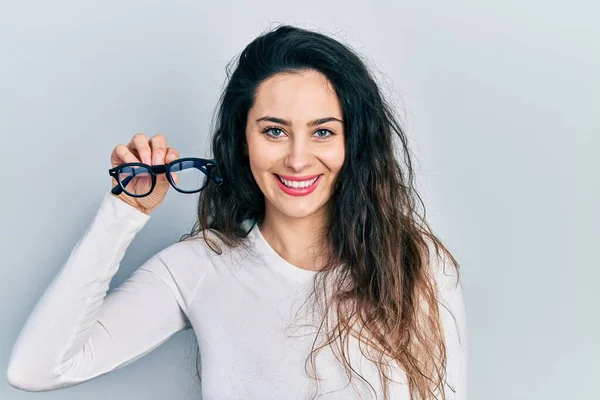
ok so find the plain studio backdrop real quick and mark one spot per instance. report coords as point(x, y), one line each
point(499, 98)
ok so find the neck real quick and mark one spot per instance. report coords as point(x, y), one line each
point(297, 240)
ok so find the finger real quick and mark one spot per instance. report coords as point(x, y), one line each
point(158, 143)
point(175, 177)
point(132, 147)
point(139, 143)
point(125, 154)
point(172, 155)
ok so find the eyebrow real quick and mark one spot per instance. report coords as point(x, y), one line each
point(289, 123)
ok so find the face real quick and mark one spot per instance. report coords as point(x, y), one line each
point(295, 137)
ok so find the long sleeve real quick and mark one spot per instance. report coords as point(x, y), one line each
point(77, 331)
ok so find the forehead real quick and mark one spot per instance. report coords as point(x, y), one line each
point(299, 95)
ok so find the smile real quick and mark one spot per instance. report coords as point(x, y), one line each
point(297, 188)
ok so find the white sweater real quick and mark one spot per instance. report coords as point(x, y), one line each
point(237, 304)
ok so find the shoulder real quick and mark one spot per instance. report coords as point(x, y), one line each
point(196, 255)
point(184, 263)
point(448, 279)
point(442, 266)
point(191, 251)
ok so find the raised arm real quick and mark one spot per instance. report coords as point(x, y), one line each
point(77, 331)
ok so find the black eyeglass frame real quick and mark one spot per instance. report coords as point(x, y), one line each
point(206, 166)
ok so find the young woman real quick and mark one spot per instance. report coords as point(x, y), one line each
point(309, 272)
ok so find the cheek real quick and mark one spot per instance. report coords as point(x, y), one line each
point(262, 158)
point(334, 158)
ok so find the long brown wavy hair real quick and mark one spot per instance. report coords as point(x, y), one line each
point(382, 292)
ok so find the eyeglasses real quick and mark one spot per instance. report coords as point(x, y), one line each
point(192, 173)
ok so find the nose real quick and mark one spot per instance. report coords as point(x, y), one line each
point(299, 155)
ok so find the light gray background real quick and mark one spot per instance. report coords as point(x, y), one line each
point(500, 100)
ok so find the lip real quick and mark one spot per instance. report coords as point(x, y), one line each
point(298, 178)
point(299, 191)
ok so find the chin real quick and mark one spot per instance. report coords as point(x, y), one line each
point(297, 212)
point(296, 209)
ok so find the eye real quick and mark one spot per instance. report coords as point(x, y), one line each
point(272, 131)
point(272, 128)
point(324, 130)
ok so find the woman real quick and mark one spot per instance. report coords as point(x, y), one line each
point(309, 273)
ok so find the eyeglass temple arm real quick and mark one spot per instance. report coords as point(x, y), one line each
point(117, 190)
point(213, 177)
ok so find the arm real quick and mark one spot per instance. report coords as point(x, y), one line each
point(76, 331)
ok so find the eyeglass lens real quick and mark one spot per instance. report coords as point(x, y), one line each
point(192, 176)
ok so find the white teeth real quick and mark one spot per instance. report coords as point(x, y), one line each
point(297, 184)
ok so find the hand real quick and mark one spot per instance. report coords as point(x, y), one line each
point(152, 152)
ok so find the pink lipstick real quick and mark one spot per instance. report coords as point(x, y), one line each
point(298, 191)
